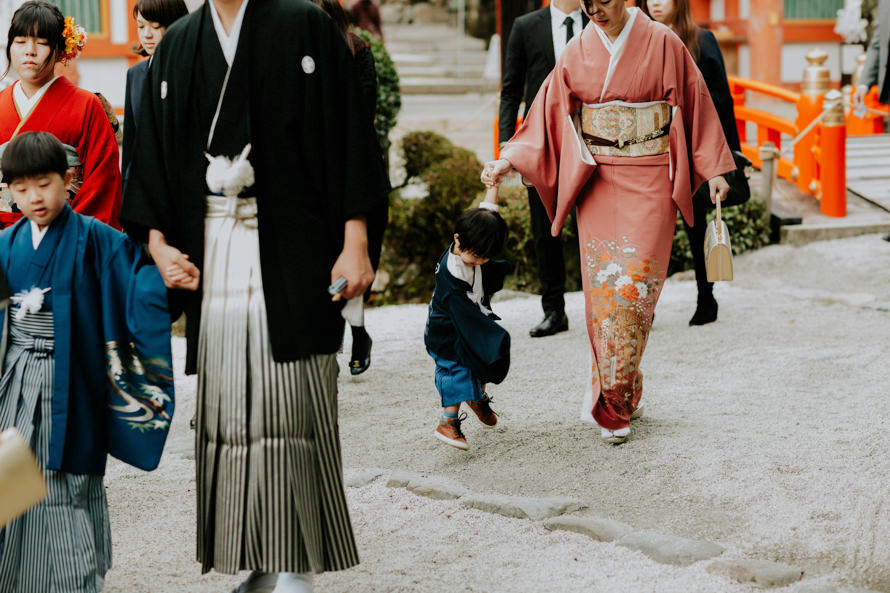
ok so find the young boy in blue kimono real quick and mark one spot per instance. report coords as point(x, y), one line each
point(85, 369)
point(469, 347)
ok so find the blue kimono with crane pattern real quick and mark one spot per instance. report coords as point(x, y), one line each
point(113, 378)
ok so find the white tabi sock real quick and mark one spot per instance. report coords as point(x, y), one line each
point(292, 582)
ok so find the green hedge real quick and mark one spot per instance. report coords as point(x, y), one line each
point(421, 228)
point(389, 93)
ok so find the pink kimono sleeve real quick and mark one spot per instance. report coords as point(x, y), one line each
point(548, 152)
point(705, 142)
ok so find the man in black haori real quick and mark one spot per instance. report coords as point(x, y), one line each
point(252, 233)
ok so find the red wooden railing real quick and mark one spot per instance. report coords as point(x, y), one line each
point(817, 161)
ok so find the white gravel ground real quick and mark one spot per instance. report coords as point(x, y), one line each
point(766, 432)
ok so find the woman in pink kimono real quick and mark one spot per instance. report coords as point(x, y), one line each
point(624, 130)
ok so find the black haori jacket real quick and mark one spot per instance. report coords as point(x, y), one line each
point(458, 330)
point(306, 151)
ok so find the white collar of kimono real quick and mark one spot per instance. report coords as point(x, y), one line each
point(615, 48)
point(37, 234)
point(472, 275)
point(229, 43)
point(25, 104)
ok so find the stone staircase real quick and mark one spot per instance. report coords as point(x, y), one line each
point(436, 59)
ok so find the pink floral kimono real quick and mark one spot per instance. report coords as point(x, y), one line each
point(646, 89)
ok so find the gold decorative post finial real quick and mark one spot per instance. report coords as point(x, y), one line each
point(816, 75)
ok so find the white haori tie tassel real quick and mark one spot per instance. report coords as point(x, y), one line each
point(29, 301)
point(227, 176)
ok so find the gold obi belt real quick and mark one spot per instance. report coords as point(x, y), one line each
point(622, 130)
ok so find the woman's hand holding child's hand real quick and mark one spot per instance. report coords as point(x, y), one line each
point(494, 171)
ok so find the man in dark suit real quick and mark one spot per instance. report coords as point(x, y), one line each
point(535, 43)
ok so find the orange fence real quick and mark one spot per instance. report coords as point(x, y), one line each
point(870, 123)
point(817, 164)
point(770, 127)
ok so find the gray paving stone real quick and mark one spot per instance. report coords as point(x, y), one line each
point(400, 479)
point(520, 507)
point(603, 530)
point(824, 588)
point(437, 488)
point(760, 572)
point(356, 478)
point(817, 588)
point(669, 549)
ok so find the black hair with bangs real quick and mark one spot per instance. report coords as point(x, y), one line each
point(481, 232)
point(33, 154)
point(162, 12)
point(40, 19)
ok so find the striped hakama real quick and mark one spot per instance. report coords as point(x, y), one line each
point(64, 543)
point(269, 473)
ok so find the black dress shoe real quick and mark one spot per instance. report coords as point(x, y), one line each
point(705, 311)
point(887, 237)
point(554, 322)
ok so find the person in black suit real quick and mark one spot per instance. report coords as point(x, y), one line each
point(704, 48)
point(152, 19)
point(535, 42)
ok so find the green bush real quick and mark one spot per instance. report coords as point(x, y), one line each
point(389, 93)
point(420, 229)
point(748, 230)
point(422, 149)
point(520, 246)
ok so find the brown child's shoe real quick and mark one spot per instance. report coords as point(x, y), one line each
point(483, 411)
point(449, 432)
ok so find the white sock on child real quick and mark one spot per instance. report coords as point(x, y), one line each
point(291, 582)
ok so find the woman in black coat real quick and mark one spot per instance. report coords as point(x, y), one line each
point(152, 19)
point(704, 49)
point(366, 82)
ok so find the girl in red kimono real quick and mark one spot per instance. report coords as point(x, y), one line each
point(39, 37)
point(623, 130)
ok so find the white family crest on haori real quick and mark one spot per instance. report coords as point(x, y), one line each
point(163, 89)
point(308, 64)
point(229, 177)
point(29, 301)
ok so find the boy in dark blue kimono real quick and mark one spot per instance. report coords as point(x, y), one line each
point(470, 348)
point(85, 369)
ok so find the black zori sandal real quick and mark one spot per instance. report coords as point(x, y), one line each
point(361, 352)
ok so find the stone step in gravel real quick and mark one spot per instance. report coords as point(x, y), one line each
point(521, 507)
point(356, 478)
point(669, 549)
point(759, 572)
point(603, 530)
point(437, 488)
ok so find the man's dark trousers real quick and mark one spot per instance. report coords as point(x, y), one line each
point(548, 256)
point(528, 60)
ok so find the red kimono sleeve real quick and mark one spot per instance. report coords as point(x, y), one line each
point(100, 194)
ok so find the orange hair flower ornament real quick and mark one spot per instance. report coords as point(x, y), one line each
point(75, 38)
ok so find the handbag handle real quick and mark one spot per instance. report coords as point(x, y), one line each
point(719, 218)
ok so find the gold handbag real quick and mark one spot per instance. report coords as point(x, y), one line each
point(718, 251)
point(21, 481)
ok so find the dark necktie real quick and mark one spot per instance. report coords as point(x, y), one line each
point(570, 28)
